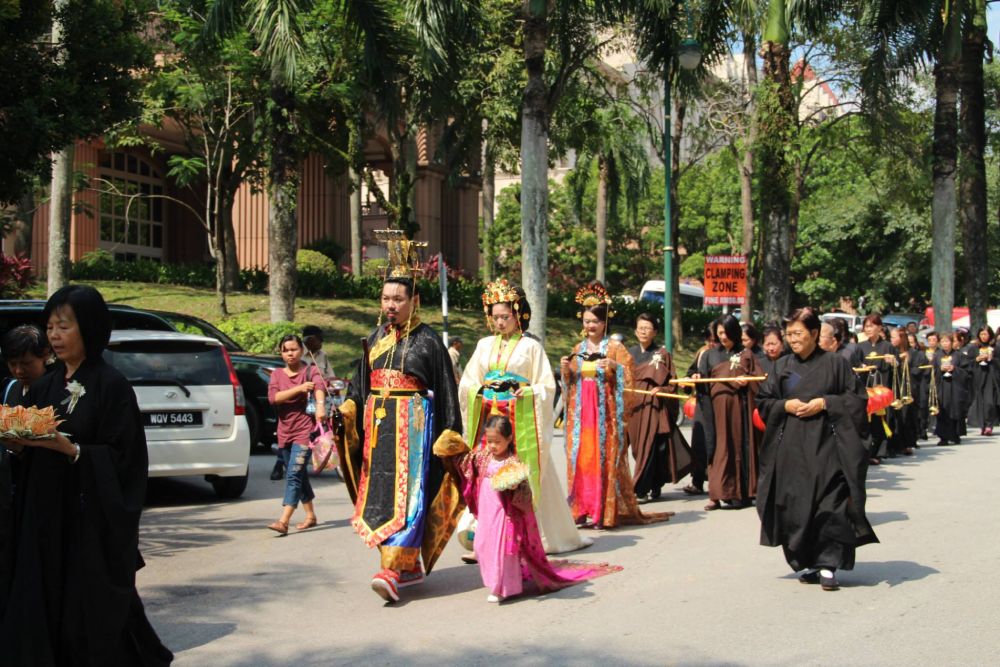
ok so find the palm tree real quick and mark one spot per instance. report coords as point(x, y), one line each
point(278, 27)
point(902, 35)
point(972, 172)
point(613, 139)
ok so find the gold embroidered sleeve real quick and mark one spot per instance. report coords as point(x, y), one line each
point(449, 443)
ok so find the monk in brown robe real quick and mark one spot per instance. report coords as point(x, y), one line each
point(732, 476)
point(660, 451)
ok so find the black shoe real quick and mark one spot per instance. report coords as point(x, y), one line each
point(958, 441)
point(829, 583)
point(809, 577)
point(655, 494)
point(278, 471)
point(942, 443)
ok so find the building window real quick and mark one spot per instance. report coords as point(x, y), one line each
point(131, 208)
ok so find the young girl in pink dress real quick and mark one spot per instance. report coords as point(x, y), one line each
point(507, 543)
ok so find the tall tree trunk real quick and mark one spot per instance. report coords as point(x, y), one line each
point(219, 249)
point(60, 216)
point(677, 135)
point(972, 172)
point(746, 171)
point(60, 198)
point(233, 280)
point(24, 224)
point(944, 204)
point(601, 215)
point(775, 119)
point(283, 188)
point(489, 201)
point(401, 185)
point(354, 175)
point(535, 165)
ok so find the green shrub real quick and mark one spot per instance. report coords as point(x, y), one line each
point(328, 247)
point(257, 338)
point(374, 267)
point(312, 261)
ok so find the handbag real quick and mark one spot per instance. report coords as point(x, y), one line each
point(323, 449)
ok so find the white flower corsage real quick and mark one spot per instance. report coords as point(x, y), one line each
point(734, 362)
point(657, 360)
point(76, 391)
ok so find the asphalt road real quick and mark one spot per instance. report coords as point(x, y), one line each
point(224, 591)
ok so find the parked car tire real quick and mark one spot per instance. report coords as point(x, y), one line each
point(229, 488)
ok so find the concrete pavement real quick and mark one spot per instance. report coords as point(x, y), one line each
point(223, 591)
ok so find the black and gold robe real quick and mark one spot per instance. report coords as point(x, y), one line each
point(405, 503)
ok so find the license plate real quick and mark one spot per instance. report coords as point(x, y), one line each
point(172, 418)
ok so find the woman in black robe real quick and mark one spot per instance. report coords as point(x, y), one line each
point(78, 499)
point(811, 492)
point(876, 352)
point(950, 376)
point(985, 390)
point(903, 418)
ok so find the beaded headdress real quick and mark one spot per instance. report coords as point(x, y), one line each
point(501, 291)
point(590, 295)
point(593, 294)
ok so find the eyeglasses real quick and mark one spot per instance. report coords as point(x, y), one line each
point(645, 330)
point(796, 334)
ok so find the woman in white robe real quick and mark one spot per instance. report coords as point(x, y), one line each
point(510, 374)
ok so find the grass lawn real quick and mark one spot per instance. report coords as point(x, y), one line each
point(344, 321)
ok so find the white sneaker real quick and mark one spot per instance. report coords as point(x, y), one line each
point(493, 598)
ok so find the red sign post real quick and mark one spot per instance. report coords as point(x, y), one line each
point(725, 280)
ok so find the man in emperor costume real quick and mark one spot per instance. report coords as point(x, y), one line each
point(402, 403)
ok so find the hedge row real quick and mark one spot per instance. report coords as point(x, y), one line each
point(319, 277)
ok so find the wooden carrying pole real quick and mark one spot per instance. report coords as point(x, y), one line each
point(745, 378)
point(660, 394)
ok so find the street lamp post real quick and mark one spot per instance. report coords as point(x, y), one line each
point(688, 56)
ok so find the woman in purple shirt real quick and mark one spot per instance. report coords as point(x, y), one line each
point(290, 392)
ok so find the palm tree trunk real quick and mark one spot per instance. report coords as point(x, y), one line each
point(775, 119)
point(601, 215)
point(535, 165)
point(746, 171)
point(943, 207)
point(60, 215)
point(489, 201)
point(972, 173)
point(283, 188)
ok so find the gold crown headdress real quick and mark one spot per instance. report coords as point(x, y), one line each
point(590, 295)
point(501, 291)
point(402, 260)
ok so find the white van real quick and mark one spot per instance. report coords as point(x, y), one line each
point(692, 296)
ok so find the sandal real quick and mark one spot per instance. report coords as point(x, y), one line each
point(693, 490)
point(308, 523)
point(714, 505)
point(279, 527)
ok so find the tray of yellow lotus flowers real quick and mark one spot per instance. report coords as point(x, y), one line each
point(30, 423)
point(510, 475)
